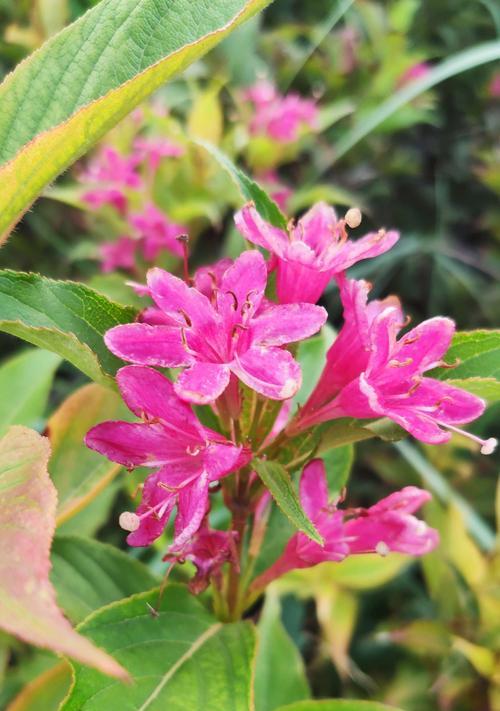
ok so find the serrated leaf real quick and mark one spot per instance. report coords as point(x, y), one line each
point(25, 382)
point(88, 575)
point(64, 97)
point(79, 473)
point(280, 676)
point(64, 317)
point(249, 189)
point(280, 485)
point(28, 607)
point(180, 658)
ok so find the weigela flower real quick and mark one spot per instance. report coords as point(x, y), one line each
point(313, 251)
point(208, 550)
point(119, 254)
point(280, 117)
point(157, 232)
point(388, 526)
point(188, 457)
point(371, 373)
point(228, 335)
point(111, 168)
point(98, 197)
point(153, 150)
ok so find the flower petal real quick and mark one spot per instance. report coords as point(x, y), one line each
point(354, 251)
point(427, 343)
point(243, 284)
point(287, 323)
point(222, 459)
point(299, 283)
point(130, 444)
point(314, 488)
point(317, 226)
point(259, 232)
point(272, 372)
point(203, 382)
point(148, 345)
point(151, 527)
point(191, 509)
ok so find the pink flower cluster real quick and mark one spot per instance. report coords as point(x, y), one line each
point(279, 117)
point(221, 331)
point(112, 179)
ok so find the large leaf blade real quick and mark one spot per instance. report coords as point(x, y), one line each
point(67, 95)
point(27, 518)
point(179, 658)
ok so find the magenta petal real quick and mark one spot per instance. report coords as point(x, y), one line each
point(445, 403)
point(244, 283)
point(408, 500)
point(129, 444)
point(287, 323)
point(222, 459)
point(298, 283)
point(314, 488)
point(259, 232)
point(151, 526)
point(420, 426)
point(147, 392)
point(191, 509)
point(371, 245)
point(202, 383)
point(148, 345)
point(317, 226)
point(272, 372)
point(426, 344)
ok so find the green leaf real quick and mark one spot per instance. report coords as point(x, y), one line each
point(65, 96)
point(180, 658)
point(338, 463)
point(338, 705)
point(460, 62)
point(25, 382)
point(88, 575)
point(46, 691)
point(280, 677)
point(249, 189)
point(487, 388)
point(477, 354)
point(280, 485)
point(79, 473)
point(28, 608)
point(347, 430)
point(63, 317)
point(311, 355)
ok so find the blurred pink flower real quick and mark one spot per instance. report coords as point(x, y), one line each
point(189, 456)
point(98, 197)
point(280, 117)
point(494, 86)
point(226, 337)
point(370, 373)
point(416, 71)
point(157, 232)
point(388, 526)
point(313, 251)
point(113, 169)
point(279, 192)
point(154, 149)
point(119, 254)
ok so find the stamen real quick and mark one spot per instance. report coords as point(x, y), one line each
point(487, 446)
point(129, 521)
point(410, 339)
point(166, 487)
point(235, 304)
point(353, 217)
point(193, 452)
point(188, 321)
point(400, 363)
point(184, 240)
point(443, 364)
point(417, 380)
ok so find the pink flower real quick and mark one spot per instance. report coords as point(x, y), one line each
point(157, 233)
point(189, 456)
point(387, 526)
point(313, 251)
point(280, 117)
point(416, 71)
point(228, 336)
point(98, 197)
point(208, 550)
point(119, 254)
point(208, 279)
point(110, 167)
point(494, 86)
point(154, 149)
point(370, 373)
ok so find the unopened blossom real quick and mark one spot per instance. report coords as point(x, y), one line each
point(113, 169)
point(157, 232)
point(280, 117)
point(312, 251)
point(208, 550)
point(227, 336)
point(153, 150)
point(388, 526)
point(186, 456)
point(119, 254)
point(370, 372)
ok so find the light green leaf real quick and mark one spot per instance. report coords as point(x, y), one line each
point(64, 317)
point(280, 485)
point(338, 705)
point(28, 608)
point(25, 382)
point(180, 658)
point(64, 97)
point(477, 354)
point(338, 463)
point(280, 677)
point(79, 473)
point(460, 62)
point(249, 189)
point(88, 575)
point(311, 355)
point(487, 388)
point(45, 692)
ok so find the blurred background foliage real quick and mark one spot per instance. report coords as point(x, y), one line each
point(423, 636)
